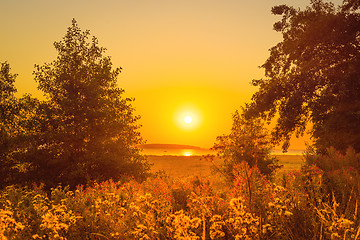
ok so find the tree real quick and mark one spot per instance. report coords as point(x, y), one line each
point(7, 105)
point(16, 129)
point(86, 130)
point(8, 110)
point(313, 76)
point(248, 141)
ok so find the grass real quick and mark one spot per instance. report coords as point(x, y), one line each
point(290, 162)
point(185, 166)
point(300, 206)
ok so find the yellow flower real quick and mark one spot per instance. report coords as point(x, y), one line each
point(288, 214)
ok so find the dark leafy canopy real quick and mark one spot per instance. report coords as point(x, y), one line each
point(248, 141)
point(7, 102)
point(7, 117)
point(7, 80)
point(14, 123)
point(85, 130)
point(313, 75)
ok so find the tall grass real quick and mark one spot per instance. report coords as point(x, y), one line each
point(300, 206)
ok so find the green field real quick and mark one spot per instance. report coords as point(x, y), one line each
point(182, 166)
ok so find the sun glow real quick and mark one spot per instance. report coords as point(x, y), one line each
point(188, 119)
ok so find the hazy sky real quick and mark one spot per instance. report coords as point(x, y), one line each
point(179, 58)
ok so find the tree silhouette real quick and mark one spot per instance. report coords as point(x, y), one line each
point(313, 75)
point(85, 130)
point(8, 111)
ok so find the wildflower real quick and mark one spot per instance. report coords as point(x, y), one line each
point(288, 214)
point(8, 224)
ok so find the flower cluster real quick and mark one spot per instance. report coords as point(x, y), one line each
point(8, 225)
point(165, 208)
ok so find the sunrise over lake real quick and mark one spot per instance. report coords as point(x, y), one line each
point(164, 119)
point(177, 57)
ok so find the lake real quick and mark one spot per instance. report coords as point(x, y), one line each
point(177, 152)
point(201, 151)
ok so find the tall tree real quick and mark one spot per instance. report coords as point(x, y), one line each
point(313, 75)
point(8, 110)
point(7, 103)
point(17, 127)
point(86, 129)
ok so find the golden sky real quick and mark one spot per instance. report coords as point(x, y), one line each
point(179, 58)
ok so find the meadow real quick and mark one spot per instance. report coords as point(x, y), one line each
point(174, 206)
point(185, 166)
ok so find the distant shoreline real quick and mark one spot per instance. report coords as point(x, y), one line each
point(167, 146)
point(155, 155)
point(157, 149)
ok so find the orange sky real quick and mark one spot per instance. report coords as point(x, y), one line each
point(183, 57)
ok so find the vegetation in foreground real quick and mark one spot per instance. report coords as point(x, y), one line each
point(86, 131)
point(318, 202)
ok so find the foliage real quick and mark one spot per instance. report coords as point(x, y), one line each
point(8, 226)
point(84, 131)
point(313, 76)
point(7, 81)
point(341, 177)
point(251, 185)
point(248, 141)
point(292, 209)
point(8, 110)
point(15, 122)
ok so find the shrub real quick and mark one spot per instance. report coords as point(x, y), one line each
point(248, 141)
point(341, 177)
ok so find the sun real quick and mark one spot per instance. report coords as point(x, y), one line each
point(188, 119)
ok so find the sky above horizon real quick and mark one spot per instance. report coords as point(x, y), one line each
point(179, 58)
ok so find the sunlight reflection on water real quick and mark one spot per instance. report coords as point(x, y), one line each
point(202, 151)
point(187, 153)
point(178, 152)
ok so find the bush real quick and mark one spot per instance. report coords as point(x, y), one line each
point(341, 177)
point(248, 141)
